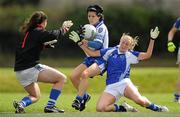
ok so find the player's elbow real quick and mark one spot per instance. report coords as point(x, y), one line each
point(147, 56)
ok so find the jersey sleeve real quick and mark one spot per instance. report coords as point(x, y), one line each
point(101, 31)
point(133, 57)
point(177, 23)
point(49, 35)
point(106, 53)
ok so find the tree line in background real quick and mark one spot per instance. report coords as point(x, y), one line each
point(18, 2)
point(137, 21)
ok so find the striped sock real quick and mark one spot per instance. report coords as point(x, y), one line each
point(53, 97)
point(26, 101)
point(79, 98)
point(119, 108)
point(116, 108)
point(85, 95)
point(177, 96)
point(153, 107)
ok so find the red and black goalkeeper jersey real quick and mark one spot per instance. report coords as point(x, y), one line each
point(28, 50)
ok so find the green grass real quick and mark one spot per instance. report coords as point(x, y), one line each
point(157, 84)
point(65, 102)
point(148, 80)
point(91, 114)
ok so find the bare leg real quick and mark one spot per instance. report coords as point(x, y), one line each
point(76, 74)
point(177, 88)
point(81, 99)
point(132, 93)
point(33, 91)
point(106, 103)
point(93, 70)
point(53, 76)
point(50, 75)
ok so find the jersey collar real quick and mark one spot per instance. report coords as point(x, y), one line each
point(118, 50)
point(99, 24)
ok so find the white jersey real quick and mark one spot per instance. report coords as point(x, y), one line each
point(102, 34)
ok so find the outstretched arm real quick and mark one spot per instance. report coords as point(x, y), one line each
point(83, 44)
point(171, 46)
point(171, 33)
point(145, 55)
point(88, 51)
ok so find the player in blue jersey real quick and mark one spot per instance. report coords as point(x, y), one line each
point(118, 81)
point(91, 66)
point(27, 67)
point(171, 48)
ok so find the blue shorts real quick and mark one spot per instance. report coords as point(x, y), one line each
point(88, 61)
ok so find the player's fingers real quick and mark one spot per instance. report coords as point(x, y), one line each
point(71, 36)
point(74, 33)
point(151, 30)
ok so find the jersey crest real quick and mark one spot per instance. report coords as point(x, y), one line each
point(100, 30)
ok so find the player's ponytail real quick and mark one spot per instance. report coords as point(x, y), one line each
point(36, 18)
point(134, 42)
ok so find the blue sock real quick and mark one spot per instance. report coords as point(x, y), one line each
point(79, 98)
point(116, 108)
point(26, 101)
point(85, 95)
point(54, 94)
point(177, 96)
point(153, 107)
point(119, 108)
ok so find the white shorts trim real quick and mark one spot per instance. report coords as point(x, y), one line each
point(30, 75)
point(117, 89)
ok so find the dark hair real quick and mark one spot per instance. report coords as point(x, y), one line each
point(98, 9)
point(36, 18)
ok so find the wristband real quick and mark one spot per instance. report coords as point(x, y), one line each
point(153, 39)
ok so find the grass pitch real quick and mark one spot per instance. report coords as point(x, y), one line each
point(157, 84)
point(65, 102)
point(91, 114)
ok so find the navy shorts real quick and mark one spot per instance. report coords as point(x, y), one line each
point(101, 63)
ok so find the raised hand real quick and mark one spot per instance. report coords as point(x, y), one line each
point(67, 25)
point(154, 33)
point(74, 36)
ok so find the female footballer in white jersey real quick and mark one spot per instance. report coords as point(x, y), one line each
point(171, 48)
point(91, 66)
point(118, 81)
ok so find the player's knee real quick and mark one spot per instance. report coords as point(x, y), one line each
point(84, 75)
point(100, 108)
point(38, 97)
point(62, 78)
point(75, 77)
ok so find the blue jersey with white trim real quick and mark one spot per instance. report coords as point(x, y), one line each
point(102, 35)
point(118, 64)
point(177, 23)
